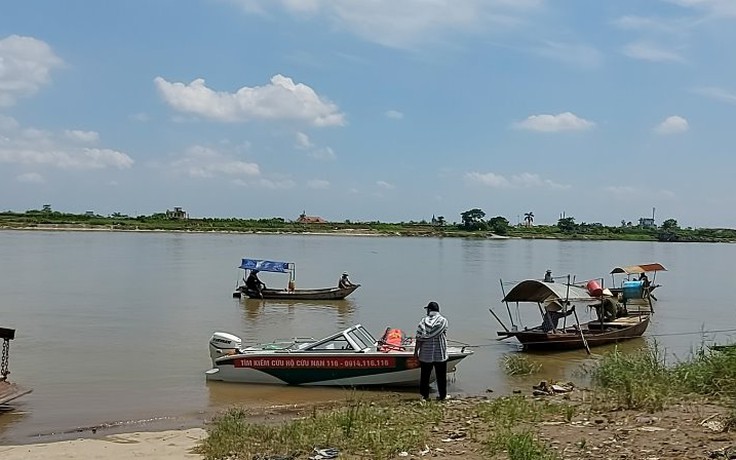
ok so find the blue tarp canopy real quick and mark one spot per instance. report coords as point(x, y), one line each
point(266, 265)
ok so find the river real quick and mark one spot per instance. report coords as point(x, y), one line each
point(112, 327)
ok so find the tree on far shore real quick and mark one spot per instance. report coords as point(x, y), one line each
point(473, 219)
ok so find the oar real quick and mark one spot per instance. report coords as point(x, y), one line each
point(502, 325)
point(582, 336)
point(498, 319)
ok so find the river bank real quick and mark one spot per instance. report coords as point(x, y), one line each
point(589, 233)
point(563, 426)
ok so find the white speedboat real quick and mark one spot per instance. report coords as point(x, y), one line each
point(351, 357)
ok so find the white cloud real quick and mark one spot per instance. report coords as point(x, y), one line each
point(140, 117)
point(719, 8)
point(622, 191)
point(31, 178)
point(323, 153)
point(31, 146)
point(385, 185)
point(717, 93)
point(406, 23)
point(566, 121)
point(649, 25)
point(204, 162)
point(275, 183)
point(647, 51)
point(281, 99)
point(672, 125)
point(25, 66)
point(86, 137)
point(395, 114)
point(523, 180)
point(318, 184)
point(578, 55)
point(303, 142)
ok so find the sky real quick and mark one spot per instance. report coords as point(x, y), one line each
point(389, 110)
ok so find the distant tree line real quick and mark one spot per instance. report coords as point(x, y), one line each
point(473, 223)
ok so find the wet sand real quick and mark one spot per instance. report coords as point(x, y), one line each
point(151, 445)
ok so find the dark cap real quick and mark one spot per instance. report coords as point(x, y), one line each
point(433, 306)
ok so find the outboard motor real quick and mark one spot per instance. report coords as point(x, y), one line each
point(222, 343)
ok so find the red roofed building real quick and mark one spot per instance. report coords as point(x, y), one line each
point(305, 219)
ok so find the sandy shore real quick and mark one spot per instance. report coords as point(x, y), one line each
point(150, 445)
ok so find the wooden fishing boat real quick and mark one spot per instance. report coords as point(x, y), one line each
point(333, 293)
point(632, 284)
point(614, 323)
point(290, 292)
point(350, 357)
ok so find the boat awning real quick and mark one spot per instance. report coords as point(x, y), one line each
point(539, 291)
point(636, 269)
point(266, 265)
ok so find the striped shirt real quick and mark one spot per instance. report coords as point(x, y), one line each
point(432, 338)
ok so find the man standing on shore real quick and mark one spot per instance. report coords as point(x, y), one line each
point(431, 350)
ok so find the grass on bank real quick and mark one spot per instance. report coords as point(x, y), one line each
point(360, 429)
point(644, 380)
point(505, 427)
point(375, 431)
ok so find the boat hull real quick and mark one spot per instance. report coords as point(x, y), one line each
point(370, 369)
point(570, 339)
point(333, 293)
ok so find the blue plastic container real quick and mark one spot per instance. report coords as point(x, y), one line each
point(632, 289)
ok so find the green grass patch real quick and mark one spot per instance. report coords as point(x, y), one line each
point(370, 430)
point(509, 411)
point(517, 364)
point(522, 445)
point(635, 380)
point(644, 380)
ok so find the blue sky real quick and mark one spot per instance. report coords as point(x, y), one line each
point(371, 110)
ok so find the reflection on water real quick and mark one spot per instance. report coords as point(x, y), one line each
point(224, 394)
point(13, 414)
point(267, 309)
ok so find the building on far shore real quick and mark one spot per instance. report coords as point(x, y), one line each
point(646, 222)
point(305, 219)
point(178, 213)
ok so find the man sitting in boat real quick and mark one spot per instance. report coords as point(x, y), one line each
point(253, 283)
point(344, 282)
point(552, 315)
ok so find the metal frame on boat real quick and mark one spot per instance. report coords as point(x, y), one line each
point(621, 325)
point(351, 357)
point(290, 292)
point(8, 390)
point(639, 296)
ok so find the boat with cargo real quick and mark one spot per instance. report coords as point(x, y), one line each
point(558, 301)
point(350, 357)
point(635, 285)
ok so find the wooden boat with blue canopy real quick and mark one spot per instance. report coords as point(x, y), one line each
point(290, 292)
point(558, 300)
